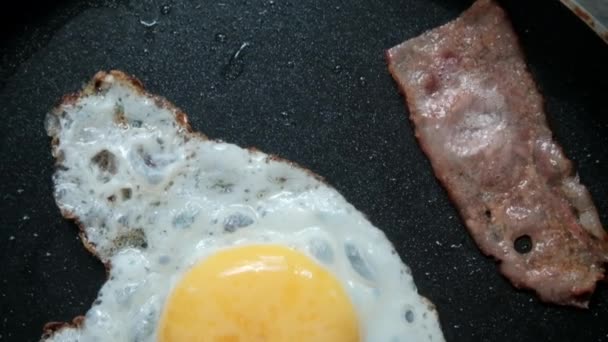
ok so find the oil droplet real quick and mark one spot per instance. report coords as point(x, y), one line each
point(287, 121)
point(146, 11)
point(165, 9)
point(362, 81)
point(220, 37)
point(148, 23)
point(235, 65)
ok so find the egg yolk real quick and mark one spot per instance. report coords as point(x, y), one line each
point(258, 293)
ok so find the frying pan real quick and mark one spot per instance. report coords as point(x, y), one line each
point(311, 85)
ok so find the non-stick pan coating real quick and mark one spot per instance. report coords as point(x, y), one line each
point(311, 86)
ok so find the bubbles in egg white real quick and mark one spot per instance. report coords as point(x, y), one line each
point(154, 199)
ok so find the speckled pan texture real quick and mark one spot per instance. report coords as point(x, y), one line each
point(310, 84)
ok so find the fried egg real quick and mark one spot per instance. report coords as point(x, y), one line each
point(207, 241)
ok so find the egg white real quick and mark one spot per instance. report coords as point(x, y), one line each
point(154, 198)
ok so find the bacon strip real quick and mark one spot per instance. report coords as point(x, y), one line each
point(479, 118)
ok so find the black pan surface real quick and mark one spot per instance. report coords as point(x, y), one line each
point(311, 86)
